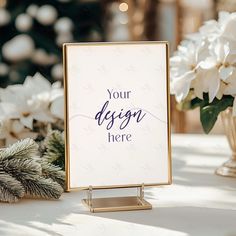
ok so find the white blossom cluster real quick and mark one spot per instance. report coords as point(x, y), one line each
point(206, 61)
point(22, 104)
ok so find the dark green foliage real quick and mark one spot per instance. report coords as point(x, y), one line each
point(54, 146)
point(208, 111)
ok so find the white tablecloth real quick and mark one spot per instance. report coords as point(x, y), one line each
point(198, 203)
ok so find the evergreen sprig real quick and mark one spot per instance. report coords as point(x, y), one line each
point(10, 188)
point(53, 172)
point(54, 149)
point(21, 149)
point(22, 173)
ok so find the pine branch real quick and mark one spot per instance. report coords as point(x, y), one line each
point(11, 190)
point(28, 173)
point(22, 149)
point(53, 172)
point(21, 167)
point(20, 170)
point(55, 149)
point(38, 187)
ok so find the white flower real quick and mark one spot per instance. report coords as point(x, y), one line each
point(207, 81)
point(57, 101)
point(210, 30)
point(30, 101)
point(213, 29)
point(184, 65)
point(228, 22)
point(206, 61)
point(57, 107)
point(214, 71)
point(13, 130)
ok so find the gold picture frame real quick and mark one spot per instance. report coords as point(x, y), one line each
point(66, 112)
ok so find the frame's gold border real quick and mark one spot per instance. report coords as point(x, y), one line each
point(66, 126)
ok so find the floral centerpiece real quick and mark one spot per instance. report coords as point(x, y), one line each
point(203, 74)
point(203, 70)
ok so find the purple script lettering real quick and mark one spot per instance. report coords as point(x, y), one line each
point(124, 116)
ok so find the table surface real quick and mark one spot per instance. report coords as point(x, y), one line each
point(198, 203)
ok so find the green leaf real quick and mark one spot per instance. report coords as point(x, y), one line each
point(208, 117)
point(192, 102)
point(209, 112)
point(196, 102)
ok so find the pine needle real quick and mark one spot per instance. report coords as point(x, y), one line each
point(20, 167)
point(11, 190)
point(53, 172)
point(55, 149)
point(22, 149)
point(22, 175)
point(39, 187)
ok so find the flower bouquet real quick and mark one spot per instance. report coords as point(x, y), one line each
point(203, 74)
point(203, 70)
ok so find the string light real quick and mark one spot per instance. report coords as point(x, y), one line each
point(123, 7)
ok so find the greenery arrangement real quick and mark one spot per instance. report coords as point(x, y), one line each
point(26, 171)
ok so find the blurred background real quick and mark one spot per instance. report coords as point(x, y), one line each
point(32, 34)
